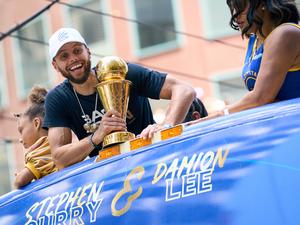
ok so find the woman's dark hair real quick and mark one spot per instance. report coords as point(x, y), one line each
point(281, 11)
point(36, 99)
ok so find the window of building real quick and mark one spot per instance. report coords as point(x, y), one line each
point(216, 17)
point(95, 28)
point(229, 87)
point(32, 61)
point(155, 32)
point(6, 165)
point(3, 83)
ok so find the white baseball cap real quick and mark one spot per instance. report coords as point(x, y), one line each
point(61, 37)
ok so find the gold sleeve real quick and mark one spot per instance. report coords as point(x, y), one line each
point(39, 160)
point(40, 167)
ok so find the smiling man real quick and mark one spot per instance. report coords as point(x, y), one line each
point(74, 105)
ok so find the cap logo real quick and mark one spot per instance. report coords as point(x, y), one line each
point(63, 36)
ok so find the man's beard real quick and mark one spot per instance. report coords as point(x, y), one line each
point(81, 80)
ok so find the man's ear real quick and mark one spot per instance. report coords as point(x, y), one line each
point(54, 64)
point(37, 123)
point(196, 115)
point(89, 51)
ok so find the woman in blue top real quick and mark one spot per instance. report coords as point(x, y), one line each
point(272, 65)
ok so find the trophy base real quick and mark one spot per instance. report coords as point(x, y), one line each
point(117, 137)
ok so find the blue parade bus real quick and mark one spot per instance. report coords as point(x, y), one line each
point(242, 169)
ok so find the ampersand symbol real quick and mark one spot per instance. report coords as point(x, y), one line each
point(139, 171)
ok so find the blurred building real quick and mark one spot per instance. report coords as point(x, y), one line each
point(191, 40)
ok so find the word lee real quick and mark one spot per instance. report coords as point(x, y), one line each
point(193, 176)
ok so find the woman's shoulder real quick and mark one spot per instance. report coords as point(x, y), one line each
point(286, 34)
point(285, 30)
point(283, 42)
point(293, 26)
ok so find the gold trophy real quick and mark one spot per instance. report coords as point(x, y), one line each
point(114, 90)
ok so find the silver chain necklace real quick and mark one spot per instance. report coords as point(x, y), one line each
point(90, 125)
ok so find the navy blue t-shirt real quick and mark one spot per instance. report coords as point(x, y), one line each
point(63, 109)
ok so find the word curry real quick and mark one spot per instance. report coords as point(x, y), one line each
point(68, 207)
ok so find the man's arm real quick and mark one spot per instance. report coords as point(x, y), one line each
point(181, 96)
point(65, 153)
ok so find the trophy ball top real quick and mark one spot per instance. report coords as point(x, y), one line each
point(111, 67)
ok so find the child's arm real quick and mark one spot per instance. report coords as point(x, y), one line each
point(24, 177)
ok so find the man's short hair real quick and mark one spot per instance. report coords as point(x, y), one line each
point(196, 106)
